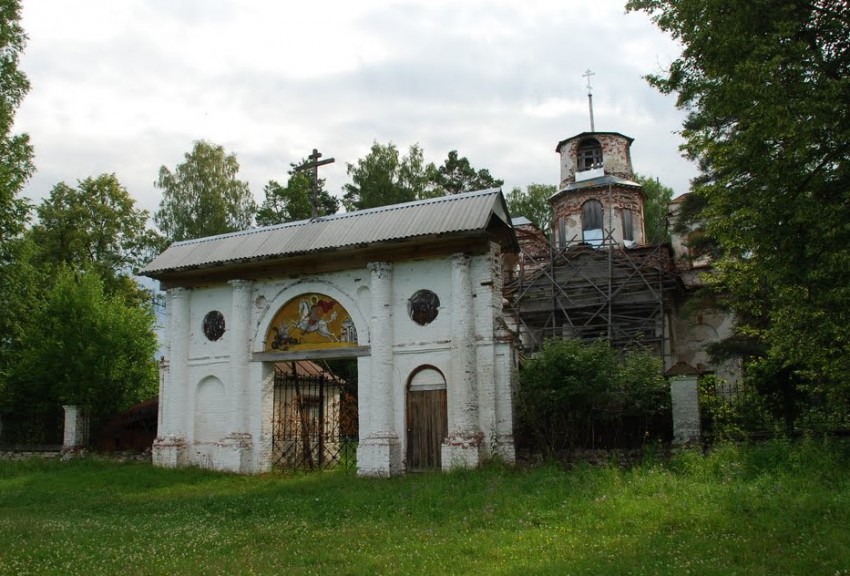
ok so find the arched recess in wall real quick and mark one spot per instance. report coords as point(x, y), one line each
point(427, 418)
point(210, 410)
point(591, 222)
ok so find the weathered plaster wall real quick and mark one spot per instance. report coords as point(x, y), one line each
point(692, 331)
point(216, 403)
point(566, 207)
point(616, 156)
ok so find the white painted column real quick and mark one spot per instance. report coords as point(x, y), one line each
point(379, 452)
point(239, 330)
point(236, 448)
point(170, 446)
point(462, 447)
point(684, 395)
point(76, 434)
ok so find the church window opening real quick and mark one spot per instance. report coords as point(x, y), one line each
point(589, 155)
point(591, 222)
point(628, 225)
point(214, 325)
point(562, 233)
point(423, 307)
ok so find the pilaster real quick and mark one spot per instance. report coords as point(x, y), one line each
point(379, 452)
point(235, 451)
point(463, 445)
point(169, 448)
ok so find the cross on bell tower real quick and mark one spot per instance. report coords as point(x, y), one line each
point(587, 75)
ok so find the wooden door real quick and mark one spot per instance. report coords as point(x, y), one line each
point(427, 427)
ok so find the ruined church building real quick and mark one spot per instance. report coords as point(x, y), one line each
point(432, 300)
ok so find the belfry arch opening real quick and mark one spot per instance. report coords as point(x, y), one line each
point(589, 155)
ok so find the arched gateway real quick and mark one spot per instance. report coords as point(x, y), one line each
point(412, 291)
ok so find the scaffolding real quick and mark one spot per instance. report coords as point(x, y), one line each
point(603, 291)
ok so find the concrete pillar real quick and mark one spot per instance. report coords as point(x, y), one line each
point(235, 454)
point(462, 447)
point(379, 452)
point(169, 449)
point(76, 428)
point(684, 395)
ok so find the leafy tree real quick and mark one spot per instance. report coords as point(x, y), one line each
point(94, 225)
point(15, 150)
point(292, 202)
point(16, 167)
point(383, 177)
point(22, 285)
point(767, 90)
point(82, 346)
point(572, 391)
point(202, 196)
point(457, 175)
point(533, 204)
point(655, 207)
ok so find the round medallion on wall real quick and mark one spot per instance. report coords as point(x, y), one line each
point(214, 325)
point(423, 307)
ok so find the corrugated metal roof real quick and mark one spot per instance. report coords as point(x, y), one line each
point(444, 215)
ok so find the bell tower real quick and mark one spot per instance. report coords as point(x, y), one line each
point(598, 202)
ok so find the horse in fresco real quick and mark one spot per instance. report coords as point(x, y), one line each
point(314, 317)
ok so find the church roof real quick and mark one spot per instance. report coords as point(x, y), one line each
point(457, 214)
point(600, 182)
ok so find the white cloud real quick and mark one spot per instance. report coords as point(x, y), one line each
point(126, 86)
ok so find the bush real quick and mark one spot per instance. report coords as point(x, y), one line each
point(578, 394)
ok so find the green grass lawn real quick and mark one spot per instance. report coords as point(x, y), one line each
point(779, 508)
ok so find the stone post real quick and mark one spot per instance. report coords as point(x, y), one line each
point(684, 395)
point(76, 429)
point(236, 446)
point(379, 452)
point(463, 445)
point(169, 448)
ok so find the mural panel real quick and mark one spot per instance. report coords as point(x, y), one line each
point(311, 322)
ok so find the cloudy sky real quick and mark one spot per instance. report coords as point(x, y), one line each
point(128, 86)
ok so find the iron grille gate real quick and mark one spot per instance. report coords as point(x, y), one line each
point(315, 423)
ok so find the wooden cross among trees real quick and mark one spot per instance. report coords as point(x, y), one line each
point(314, 163)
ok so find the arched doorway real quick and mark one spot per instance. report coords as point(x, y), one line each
point(315, 416)
point(427, 419)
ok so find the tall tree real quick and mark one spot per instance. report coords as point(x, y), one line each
point(457, 175)
point(82, 346)
point(15, 150)
point(383, 177)
point(533, 203)
point(203, 196)
point(767, 89)
point(95, 224)
point(655, 208)
point(16, 167)
point(292, 201)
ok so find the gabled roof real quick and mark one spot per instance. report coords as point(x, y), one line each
point(458, 214)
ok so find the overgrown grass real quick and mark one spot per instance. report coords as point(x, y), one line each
point(778, 508)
